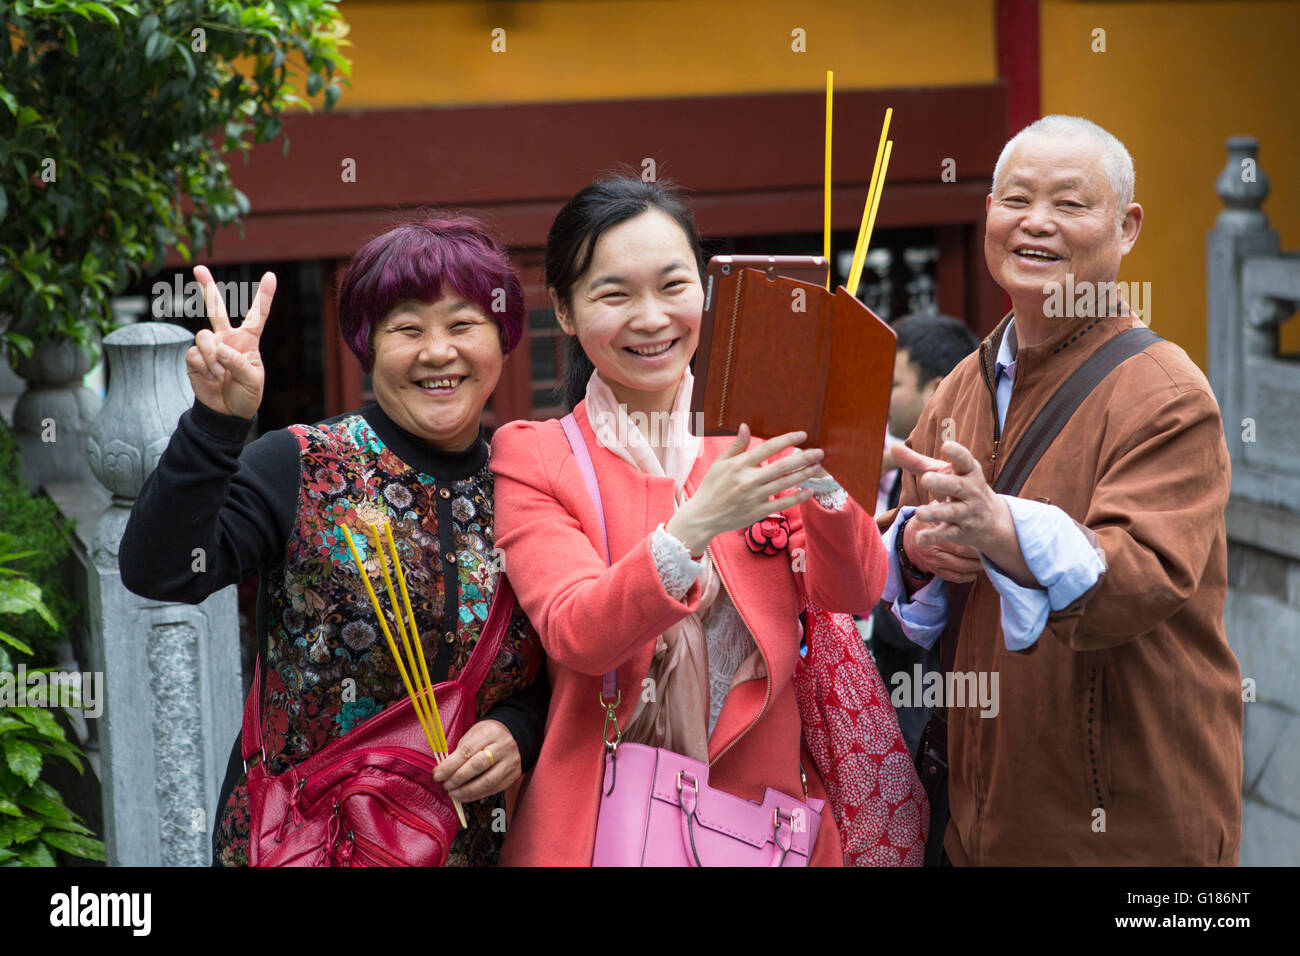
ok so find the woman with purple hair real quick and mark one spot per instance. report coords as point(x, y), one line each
point(430, 309)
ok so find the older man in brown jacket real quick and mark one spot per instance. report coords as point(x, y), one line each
point(1098, 590)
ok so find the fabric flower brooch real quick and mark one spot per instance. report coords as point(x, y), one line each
point(769, 536)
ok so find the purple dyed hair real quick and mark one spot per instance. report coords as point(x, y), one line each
point(411, 262)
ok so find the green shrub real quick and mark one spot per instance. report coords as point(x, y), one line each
point(32, 524)
point(34, 822)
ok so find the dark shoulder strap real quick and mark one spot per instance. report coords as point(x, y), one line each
point(957, 595)
point(1062, 405)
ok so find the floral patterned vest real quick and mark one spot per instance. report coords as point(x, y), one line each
point(327, 665)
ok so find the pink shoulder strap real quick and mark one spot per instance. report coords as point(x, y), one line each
point(588, 472)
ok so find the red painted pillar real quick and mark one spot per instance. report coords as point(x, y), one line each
point(1018, 61)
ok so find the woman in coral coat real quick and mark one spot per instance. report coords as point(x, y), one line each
point(705, 642)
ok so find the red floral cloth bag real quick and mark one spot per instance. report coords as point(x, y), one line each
point(852, 733)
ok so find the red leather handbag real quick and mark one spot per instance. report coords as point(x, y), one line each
point(852, 734)
point(369, 797)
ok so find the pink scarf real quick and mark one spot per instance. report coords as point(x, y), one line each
point(676, 715)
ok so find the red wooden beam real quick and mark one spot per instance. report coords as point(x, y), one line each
point(339, 233)
point(753, 164)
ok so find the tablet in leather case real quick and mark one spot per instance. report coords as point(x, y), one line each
point(786, 355)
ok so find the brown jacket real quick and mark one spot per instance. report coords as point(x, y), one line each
point(1130, 701)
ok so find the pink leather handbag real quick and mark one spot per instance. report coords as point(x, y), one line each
point(657, 809)
point(656, 806)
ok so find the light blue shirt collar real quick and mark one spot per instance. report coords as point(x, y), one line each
point(1006, 360)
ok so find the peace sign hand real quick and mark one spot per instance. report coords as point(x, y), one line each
point(224, 364)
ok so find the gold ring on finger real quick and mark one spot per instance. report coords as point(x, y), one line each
point(491, 760)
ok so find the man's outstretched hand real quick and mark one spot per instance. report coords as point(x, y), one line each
point(964, 517)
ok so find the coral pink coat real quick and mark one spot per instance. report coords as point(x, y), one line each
point(593, 618)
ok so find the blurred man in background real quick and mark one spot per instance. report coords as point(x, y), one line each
point(929, 347)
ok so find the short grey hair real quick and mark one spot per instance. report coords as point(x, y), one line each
point(1115, 158)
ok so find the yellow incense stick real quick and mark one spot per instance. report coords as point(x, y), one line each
point(871, 223)
point(415, 637)
point(383, 624)
point(860, 249)
point(826, 223)
point(430, 702)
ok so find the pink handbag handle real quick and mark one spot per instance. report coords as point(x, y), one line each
point(687, 797)
point(609, 686)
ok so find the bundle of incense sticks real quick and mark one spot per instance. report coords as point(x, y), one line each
point(874, 192)
point(418, 685)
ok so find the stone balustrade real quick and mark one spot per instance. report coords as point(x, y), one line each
point(1252, 287)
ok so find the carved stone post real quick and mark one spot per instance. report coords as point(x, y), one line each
point(1241, 230)
point(52, 416)
point(171, 671)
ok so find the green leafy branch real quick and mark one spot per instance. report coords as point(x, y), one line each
point(114, 118)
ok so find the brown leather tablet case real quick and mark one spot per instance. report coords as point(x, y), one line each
point(784, 355)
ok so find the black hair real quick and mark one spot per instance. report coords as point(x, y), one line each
point(571, 243)
point(934, 343)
